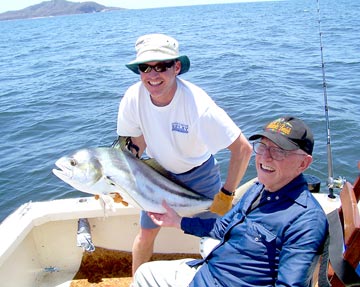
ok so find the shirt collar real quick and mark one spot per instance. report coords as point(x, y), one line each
point(295, 190)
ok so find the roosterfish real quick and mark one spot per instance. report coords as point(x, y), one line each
point(115, 174)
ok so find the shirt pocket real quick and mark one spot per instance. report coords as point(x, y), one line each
point(261, 233)
point(261, 239)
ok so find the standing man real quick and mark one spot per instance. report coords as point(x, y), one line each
point(181, 127)
point(272, 237)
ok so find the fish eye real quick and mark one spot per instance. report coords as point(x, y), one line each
point(73, 162)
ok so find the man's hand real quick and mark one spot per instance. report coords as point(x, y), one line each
point(168, 219)
point(222, 203)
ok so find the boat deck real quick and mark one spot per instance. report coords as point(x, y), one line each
point(101, 268)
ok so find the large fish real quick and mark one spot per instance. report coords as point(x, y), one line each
point(105, 170)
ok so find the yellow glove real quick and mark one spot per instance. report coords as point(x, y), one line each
point(222, 202)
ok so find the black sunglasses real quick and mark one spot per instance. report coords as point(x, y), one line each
point(159, 67)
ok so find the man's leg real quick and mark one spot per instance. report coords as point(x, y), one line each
point(143, 247)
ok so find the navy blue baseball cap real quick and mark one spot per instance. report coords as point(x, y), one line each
point(289, 133)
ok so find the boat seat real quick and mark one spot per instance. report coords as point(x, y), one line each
point(343, 256)
point(357, 185)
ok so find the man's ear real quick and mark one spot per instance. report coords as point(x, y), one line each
point(306, 162)
point(177, 67)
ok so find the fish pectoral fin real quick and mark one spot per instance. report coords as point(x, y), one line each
point(110, 181)
point(115, 195)
point(107, 202)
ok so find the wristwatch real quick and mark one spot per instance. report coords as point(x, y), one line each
point(223, 190)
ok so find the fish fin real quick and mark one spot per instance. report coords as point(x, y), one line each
point(116, 197)
point(157, 167)
point(113, 183)
point(132, 201)
point(120, 143)
point(125, 143)
point(110, 181)
point(107, 203)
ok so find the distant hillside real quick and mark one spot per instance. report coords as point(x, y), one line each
point(55, 8)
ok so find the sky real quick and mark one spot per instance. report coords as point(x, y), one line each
point(6, 5)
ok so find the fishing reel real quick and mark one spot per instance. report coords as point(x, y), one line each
point(336, 182)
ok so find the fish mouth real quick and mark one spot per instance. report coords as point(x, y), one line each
point(62, 172)
point(59, 173)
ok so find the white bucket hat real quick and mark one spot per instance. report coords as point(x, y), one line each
point(157, 47)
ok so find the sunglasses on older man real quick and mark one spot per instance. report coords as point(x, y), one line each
point(159, 67)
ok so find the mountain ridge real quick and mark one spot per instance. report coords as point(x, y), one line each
point(56, 8)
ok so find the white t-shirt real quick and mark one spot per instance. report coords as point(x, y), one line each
point(181, 135)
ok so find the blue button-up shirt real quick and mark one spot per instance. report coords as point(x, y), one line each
point(276, 243)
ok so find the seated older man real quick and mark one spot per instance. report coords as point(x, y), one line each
point(271, 237)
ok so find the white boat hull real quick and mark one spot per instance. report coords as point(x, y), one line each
point(38, 241)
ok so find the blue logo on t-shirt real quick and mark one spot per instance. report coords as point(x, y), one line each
point(182, 128)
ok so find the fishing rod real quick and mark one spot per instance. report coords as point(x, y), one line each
point(332, 183)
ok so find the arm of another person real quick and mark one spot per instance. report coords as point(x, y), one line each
point(300, 252)
point(240, 150)
point(240, 155)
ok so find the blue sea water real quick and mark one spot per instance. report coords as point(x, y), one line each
point(63, 77)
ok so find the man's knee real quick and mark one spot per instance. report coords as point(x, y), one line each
point(148, 235)
point(142, 276)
